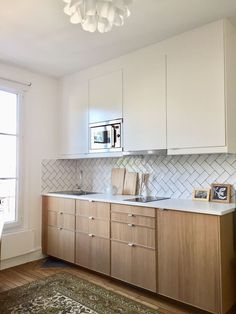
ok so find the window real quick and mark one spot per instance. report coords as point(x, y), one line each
point(9, 139)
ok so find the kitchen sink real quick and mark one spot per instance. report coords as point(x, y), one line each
point(80, 192)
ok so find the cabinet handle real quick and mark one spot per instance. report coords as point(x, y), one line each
point(91, 235)
point(131, 244)
point(59, 228)
point(130, 215)
point(131, 225)
point(91, 217)
point(61, 213)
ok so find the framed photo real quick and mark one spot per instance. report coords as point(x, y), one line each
point(220, 192)
point(201, 195)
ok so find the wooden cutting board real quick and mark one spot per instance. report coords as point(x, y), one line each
point(130, 185)
point(117, 179)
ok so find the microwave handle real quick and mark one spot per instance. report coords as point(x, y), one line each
point(113, 136)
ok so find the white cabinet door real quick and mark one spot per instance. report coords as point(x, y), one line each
point(105, 97)
point(73, 126)
point(195, 89)
point(145, 100)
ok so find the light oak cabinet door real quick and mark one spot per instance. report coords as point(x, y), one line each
point(93, 235)
point(105, 97)
point(144, 110)
point(134, 264)
point(93, 252)
point(59, 228)
point(189, 258)
point(195, 89)
point(133, 245)
point(61, 244)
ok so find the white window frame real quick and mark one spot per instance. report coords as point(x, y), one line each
point(12, 226)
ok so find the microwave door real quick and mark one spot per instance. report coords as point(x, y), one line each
point(101, 137)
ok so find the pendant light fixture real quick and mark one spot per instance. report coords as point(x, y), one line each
point(98, 15)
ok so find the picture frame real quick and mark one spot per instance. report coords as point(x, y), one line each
point(221, 192)
point(201, 195)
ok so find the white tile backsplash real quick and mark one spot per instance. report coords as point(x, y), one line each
point(172, 176)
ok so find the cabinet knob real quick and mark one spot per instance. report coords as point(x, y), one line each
point(131, 244)
point(59, 228)
point(130, 215)
point(131, 225)
point(91, 217)
point(61, 213)
point(91, 235)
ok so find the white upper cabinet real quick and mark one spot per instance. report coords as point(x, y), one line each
point(144, 110)
point(197, 102)
point(105, 97)
point(73, 117)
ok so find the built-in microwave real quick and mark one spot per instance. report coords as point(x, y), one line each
point(105, 136)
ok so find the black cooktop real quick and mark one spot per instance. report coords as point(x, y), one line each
point(146, 199)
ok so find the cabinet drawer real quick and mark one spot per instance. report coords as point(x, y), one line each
point(61, 220)
point(59, 204)
point(136, 210)
point(93, 253)
point(94, 226)
point(133, 234)
point(133, 264)
point(95, 209)
point(134, 219)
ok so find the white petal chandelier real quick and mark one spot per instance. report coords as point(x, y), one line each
point(98, 15)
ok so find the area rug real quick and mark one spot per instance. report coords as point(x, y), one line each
point(64, 293)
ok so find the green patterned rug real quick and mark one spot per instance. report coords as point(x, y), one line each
point(64, 293)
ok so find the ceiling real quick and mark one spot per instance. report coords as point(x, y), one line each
point(37, 35)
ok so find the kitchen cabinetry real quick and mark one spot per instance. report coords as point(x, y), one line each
point(133, 245)
point(105, 97)
point(200, 94)
point(93, 235)
point(73, 119)
point(144, 109)
point(59, 228)
point(196, 259)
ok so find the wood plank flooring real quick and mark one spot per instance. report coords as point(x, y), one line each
point(23, 274)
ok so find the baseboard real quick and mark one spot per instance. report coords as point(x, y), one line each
point(22, 259)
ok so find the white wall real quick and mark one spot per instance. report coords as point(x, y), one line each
point(39, 141)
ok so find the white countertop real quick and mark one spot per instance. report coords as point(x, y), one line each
point(209, 208)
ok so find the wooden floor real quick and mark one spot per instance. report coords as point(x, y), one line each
point(23, 274)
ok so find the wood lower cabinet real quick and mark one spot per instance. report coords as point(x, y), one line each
point(93, 252)
point(61, 243)
point(93, 235)
point(185, 256)
point(196, 259)
point(134, 264)
point(59, 228)
point(133, 245)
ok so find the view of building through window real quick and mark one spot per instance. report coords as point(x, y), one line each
point(8, 155)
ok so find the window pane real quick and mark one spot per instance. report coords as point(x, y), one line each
point(7, 199)
point(8, 112)
point(7, 156)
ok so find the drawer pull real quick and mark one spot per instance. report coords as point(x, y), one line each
point(131, 244)
point(91, 235)
point(61, 213)
point(130, 215)
point(59, 228)
point(131, 225)
point(91, 217)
